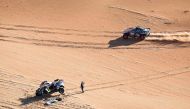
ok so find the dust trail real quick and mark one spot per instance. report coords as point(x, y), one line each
point(174, 36)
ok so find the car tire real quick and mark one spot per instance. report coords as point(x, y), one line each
point(136, 36)
point(126, 36)
point(61, 90)
point(38, 92)
point(142, 37)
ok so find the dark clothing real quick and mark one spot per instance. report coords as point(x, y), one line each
point(82, 86)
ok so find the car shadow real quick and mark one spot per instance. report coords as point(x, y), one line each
point(176, 43)
point(32, 99)
point(123, 42)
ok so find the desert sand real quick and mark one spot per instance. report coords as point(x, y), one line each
point(80, 40)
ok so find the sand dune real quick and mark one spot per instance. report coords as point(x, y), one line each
point(81, 40)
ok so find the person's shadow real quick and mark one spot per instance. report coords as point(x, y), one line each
point(123, 42)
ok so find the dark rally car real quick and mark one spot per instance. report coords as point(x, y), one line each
point(136, 32)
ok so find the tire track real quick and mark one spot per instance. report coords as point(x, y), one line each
point(62, 29)
point(52, 41)
point(13, 86)
point(66, 32)
point(137, 80)
point(89, 47)
point(72, 44)
point(179, 36)
point(159, 38)
point(139, 13)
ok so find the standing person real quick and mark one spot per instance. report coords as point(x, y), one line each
point(82, 86)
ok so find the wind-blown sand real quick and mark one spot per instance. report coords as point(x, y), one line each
point(81, 40)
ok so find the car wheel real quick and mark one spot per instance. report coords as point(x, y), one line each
point(38, 92)
point(125, 36)
point(61, 90)
point(136, 35)
point(142, 37)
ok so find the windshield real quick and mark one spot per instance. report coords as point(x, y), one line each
point(60, 83)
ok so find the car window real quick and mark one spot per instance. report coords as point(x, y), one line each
point(138, 30)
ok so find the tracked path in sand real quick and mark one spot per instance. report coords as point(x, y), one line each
point(104, 41)
point(97, 39)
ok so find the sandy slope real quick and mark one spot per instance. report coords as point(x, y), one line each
point(81, 40)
